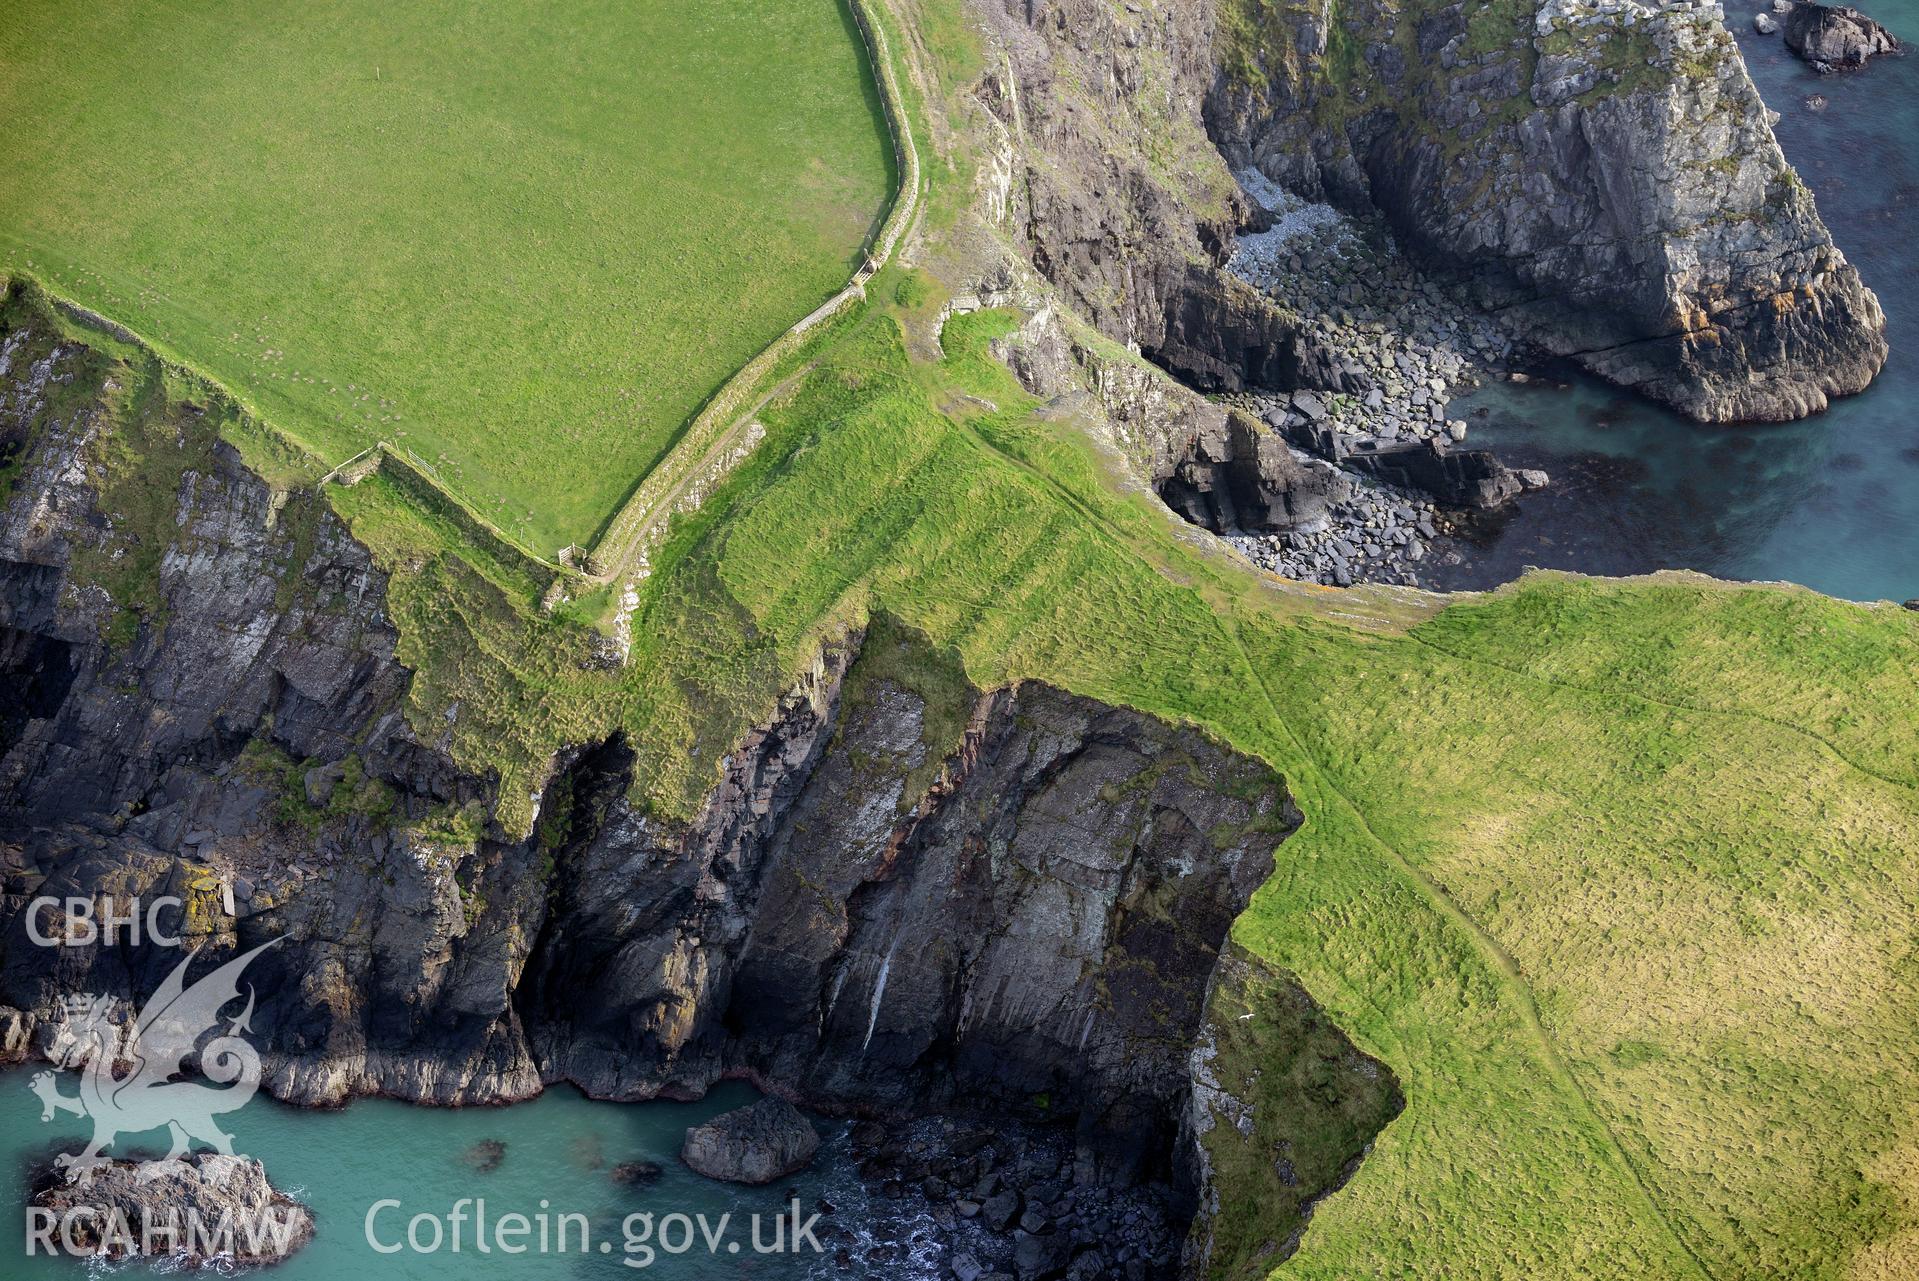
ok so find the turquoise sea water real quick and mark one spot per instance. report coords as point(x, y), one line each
point(1832, 502)
point(559, 1148)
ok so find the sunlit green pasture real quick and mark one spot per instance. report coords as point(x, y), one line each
point(524, 239)
point(1618, 878)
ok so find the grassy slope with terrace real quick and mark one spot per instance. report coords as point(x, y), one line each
point(1617, 876)
point(523, 240)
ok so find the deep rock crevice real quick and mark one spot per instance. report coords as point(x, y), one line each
point(1067, 871)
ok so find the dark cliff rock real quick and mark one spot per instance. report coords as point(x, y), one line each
point(1113, 235)
point(903, 894)
point(185, 646)
point(1243, 476)
point(1469, 478)
point(1605, 176)
point(1220, 334)
point(261, 614)
point(1215, 467)
point(1021, 926)
point(1107, 181)
point(1836, 37)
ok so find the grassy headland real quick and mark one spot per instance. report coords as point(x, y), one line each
point(1617, 877)
point(524, 241)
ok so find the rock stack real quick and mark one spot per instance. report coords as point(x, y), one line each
point(175, 1209)
point(755, 1144)
point(1836, 37)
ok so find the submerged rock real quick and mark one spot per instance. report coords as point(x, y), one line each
point(195, 1209)
point(486, 1155)
point(1836, 37)
point(636, 1173)
point(757, 1144)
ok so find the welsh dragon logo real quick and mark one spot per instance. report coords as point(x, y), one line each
point(154, 1050)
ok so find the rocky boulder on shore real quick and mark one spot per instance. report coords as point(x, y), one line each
point(1836, 37)
point(1242, 476)
point(756, 1144)
point(203, 1206)
point(1472, 478)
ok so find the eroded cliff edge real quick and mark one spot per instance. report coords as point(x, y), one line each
point(1603, 173)
point(903, 894)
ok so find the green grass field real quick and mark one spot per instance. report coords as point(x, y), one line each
point(523, 239)
point(1619, 878)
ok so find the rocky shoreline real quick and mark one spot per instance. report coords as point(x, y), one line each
point(1379, 535)
point(1403, 344)
point(1540, 153)
point(1001, 1203)
point(1404, 340)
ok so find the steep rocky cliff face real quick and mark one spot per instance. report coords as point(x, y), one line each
point(185, 646)
point(1605, 173)
point(1283, 1109)
point(1109, 184)
point(903, 894)
point(878, 925)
